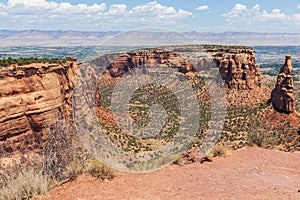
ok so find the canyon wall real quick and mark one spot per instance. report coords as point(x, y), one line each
point(237, 65)
point(149, 58)
point(31, 98)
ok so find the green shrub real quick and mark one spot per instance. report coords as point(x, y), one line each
point(25, 61)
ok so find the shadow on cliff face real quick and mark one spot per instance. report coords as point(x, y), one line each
point(32, 97)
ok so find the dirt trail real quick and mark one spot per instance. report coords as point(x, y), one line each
point(249, 173)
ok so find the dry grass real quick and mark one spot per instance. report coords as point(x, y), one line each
point(256, 139)
point(178, 160)
point(99, 170)
point(63, 154)
point(26, 185)
point(219, 151)
point(62, 159)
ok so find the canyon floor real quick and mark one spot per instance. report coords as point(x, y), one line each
point(248, 173)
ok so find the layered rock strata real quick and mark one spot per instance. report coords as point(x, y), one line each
point(238, 68)
point(31, 98)
point(150, 58)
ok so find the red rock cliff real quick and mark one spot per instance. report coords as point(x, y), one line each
point(31, 98)
point(157, 57)
point(238, 69)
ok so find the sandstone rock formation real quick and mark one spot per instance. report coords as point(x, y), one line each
point(237, 65)
point(31, 98)
point(150, 58)
point(282, 96)
point(238, 68)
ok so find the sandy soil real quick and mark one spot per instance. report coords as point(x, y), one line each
point(249, 173)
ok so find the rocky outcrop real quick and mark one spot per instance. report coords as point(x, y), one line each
point(150, 58)
point(282, 96)
point(237, 64)
point(237, 67)
point(31, 98)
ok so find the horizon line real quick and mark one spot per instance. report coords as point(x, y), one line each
point(138, 30)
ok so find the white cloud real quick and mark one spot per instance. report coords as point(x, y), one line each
point(256, 7)
point(158, 11)
point(183, 13)
point(298, 6)
point(117, 9)
point(239, 8)
point(41, 14)
point(241, 17)
point(276, 14)
point(204, 7)
point(27, 4)
point(240, 11)
point(297, 17)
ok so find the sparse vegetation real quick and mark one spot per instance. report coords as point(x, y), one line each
point(61, 151)
point(62, 159)
point(26, 185)
point(257, 139)
point(26, 61)
point(219, 151)
point(99, 170)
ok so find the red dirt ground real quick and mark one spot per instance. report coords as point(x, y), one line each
point(249, 173)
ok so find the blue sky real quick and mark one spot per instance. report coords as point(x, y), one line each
point(178, 15)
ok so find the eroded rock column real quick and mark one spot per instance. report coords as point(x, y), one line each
point(282, 96)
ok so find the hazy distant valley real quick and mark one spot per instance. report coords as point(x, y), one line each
point(269, 58)
point(137, 38)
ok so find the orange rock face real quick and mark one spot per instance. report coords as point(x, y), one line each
point(239, 69)
point(150, 58)
point(31, 98)
point(282, 96)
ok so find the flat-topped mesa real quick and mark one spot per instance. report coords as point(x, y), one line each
point(151, 58)
point(238, 68)
point(32, 97)
point(282, 96)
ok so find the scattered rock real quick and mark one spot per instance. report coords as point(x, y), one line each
point(190, 156)
point(205, 159)
point(193, 155)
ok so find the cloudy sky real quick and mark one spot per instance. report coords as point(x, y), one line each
point(179, 15)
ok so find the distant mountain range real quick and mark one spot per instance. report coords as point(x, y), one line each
point(143, 38)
